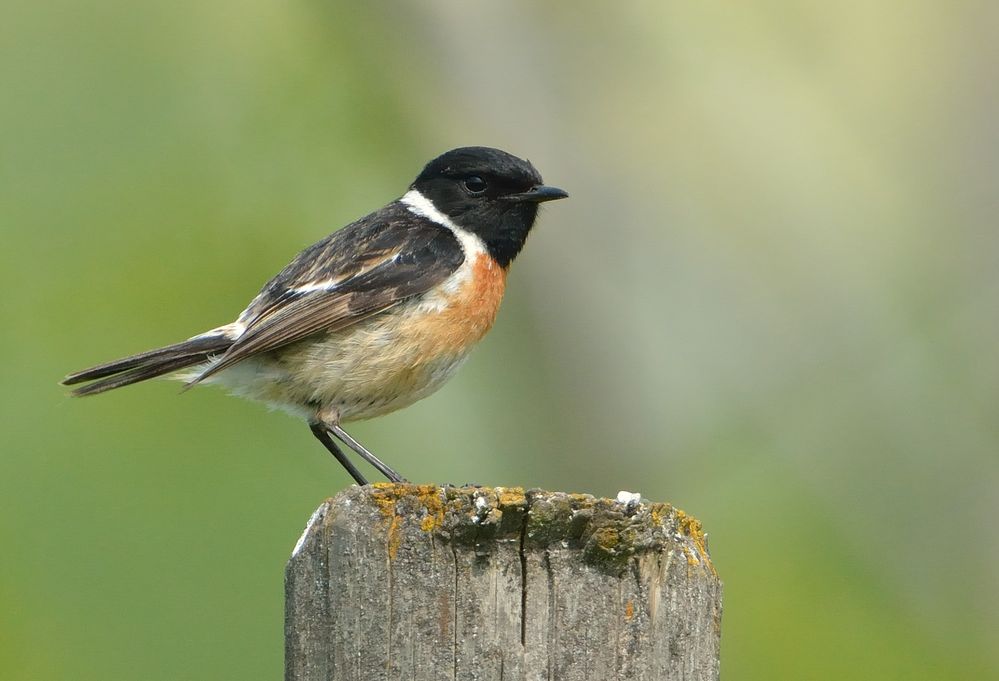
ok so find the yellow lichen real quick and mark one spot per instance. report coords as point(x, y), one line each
point(659, 512)
point(511, 496)
point(691, 527)
point(394, 536)
point(432, 500)
point(387, 496)
point(629, 610)
point(607, 538)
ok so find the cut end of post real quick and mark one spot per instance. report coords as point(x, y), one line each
point(608, 531)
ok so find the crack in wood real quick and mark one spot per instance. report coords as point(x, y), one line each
point(523, 577)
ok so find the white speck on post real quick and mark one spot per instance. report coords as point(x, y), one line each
point(629, 498)
point(481, 509)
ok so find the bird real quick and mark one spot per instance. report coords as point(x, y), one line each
point(373, 317)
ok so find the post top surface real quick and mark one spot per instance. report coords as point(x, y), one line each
point(609, 532)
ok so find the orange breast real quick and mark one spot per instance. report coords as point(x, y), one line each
point(470, 311)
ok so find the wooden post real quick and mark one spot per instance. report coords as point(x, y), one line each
point(422, 582)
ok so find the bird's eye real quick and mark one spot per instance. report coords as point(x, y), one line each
point(474, 185)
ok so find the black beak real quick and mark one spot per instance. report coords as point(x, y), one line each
point(538, 194)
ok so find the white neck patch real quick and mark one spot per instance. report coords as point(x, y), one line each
point(418, 204)
point(471, 244)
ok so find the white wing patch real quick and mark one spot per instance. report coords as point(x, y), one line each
point(231, 331)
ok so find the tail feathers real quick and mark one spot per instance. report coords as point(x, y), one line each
point(147, 365)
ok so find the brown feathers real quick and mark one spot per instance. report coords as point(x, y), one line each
point(401, 260)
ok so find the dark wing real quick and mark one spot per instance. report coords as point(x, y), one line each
point(364, 268)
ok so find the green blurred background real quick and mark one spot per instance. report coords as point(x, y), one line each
point(772, 300)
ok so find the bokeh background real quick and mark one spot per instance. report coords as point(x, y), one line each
point(773, 299)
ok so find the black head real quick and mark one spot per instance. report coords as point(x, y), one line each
point(488, 192)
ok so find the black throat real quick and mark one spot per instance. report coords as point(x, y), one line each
point(504, 232)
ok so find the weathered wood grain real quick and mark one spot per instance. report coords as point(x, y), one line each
point(422, 582)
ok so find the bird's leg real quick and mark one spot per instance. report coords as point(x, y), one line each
point(321, 431)
point(364, 453)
